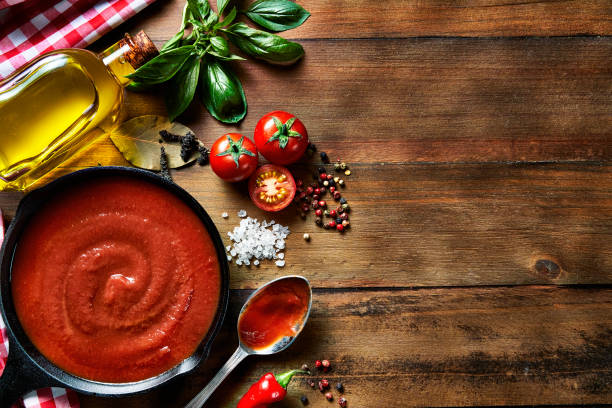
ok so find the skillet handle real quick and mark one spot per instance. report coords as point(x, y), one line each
point(20, 375)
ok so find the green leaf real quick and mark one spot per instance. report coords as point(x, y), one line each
point(219, 44)
point(174, 42)
point(222, 93)
point(213, 18)
point(199, 9)
point(138, 141)
point(230, 57)
point(137, 87)
point(186, 16)
point(227, 20)
point(183, 87)
point(263, 45)
point(277, 15)
point(162, 67)
point(221, 5)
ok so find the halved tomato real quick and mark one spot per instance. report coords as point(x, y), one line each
point(272, 187)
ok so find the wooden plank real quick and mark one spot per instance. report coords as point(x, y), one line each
point(435, 225)
point(434, 100)
point(416, 18)
point(430, 347)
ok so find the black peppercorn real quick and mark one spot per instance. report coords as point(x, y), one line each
point(169, 137)
point(163, 163)
point(324, 157)
point(321, 170)
point(304, 400)
point(340, 387)
point(203, 159)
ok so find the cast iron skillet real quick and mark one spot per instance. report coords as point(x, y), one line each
point(27, 369)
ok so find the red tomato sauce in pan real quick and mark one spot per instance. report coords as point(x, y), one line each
point(275, 313)
point(116, 280)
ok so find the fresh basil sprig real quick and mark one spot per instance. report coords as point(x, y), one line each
point(201, 57)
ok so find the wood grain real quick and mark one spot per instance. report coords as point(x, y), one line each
point(435, 347)
point(435, 225)
point(480, 140)
point(434, 100)
point(418, 18)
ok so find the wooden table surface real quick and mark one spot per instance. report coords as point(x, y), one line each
point(478, 268)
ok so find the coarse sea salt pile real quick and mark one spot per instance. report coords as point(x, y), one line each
point(259, 240)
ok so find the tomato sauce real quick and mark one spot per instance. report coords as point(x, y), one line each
point(116, 280)
point(275, 313)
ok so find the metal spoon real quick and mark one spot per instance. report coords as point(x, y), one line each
point(243, 350)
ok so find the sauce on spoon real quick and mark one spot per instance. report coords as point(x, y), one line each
point(275, 313)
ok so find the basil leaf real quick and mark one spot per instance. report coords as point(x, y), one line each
point(199, 8)
point(221, 5)
point(162, 67)
point(230, 57)
point(277, 15)
point(183, 87)
point(219, 44)
point(227, 20)
point(263, 45)
point(213, 18)
point(174, 42)
point(137, 87)
point(222, 93)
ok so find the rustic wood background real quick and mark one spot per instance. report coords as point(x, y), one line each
point(479, 267)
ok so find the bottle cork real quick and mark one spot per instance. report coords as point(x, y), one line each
point(141, 50)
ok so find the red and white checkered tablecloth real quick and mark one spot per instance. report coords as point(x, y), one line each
point(44, 397)
point(32, 27)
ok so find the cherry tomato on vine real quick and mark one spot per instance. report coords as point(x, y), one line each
point(233, 157)
point(272, 187)
point(281, 137)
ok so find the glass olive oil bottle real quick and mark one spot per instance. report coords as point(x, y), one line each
point(60, 103)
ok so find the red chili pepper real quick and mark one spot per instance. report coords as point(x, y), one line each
point(270, 388)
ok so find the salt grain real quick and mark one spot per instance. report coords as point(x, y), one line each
point(254, 239)
point(225, 215)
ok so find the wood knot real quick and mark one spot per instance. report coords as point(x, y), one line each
point(547, 268)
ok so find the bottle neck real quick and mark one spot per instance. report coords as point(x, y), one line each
point(126, 55)
point(114, 59)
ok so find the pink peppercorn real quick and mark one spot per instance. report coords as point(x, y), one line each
point(329, 396)
point(319, 213)
point(332, 213)
point(323, 176)
point(342, 402)
point(322, 203)
point(339, 227)
point(309, 190)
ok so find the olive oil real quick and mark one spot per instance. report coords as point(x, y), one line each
point(60, 103)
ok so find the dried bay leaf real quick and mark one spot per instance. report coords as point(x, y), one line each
point(138, 140)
